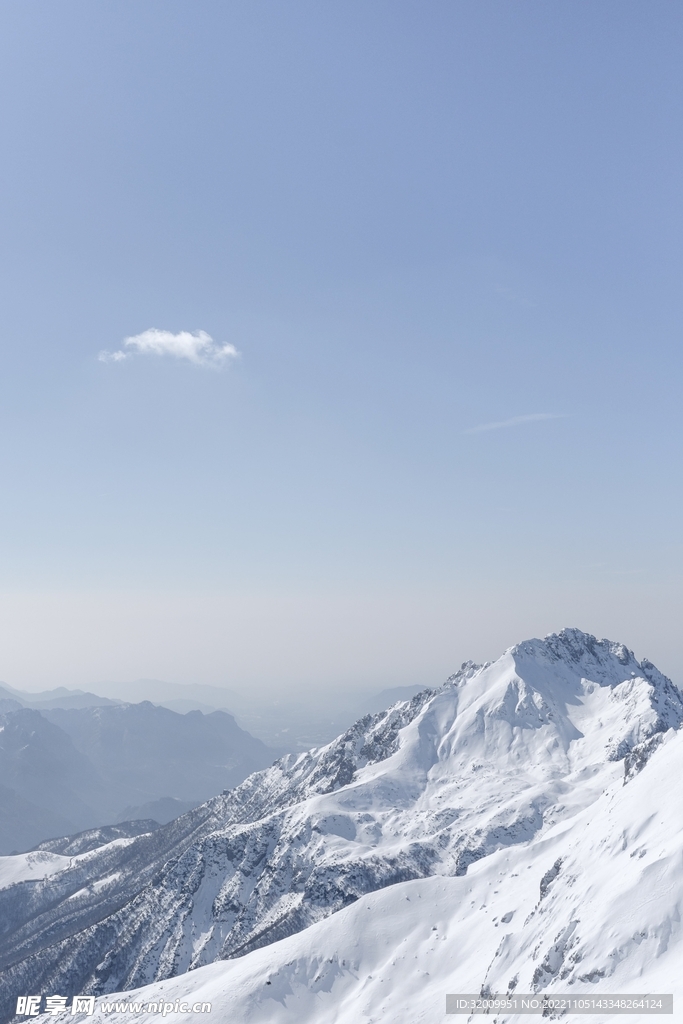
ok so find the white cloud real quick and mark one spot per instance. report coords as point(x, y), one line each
point(198, 348)
point(515, 421)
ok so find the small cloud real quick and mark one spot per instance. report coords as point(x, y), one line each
point(111, 357)
point(198, 348)
point(533, 417)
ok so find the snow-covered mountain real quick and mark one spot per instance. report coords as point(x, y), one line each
point(513, 828)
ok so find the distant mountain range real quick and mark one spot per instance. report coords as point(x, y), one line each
point(293, 723)
point(517, 829)
point(57, 698)
point(68, 769)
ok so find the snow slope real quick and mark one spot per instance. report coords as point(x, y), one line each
point(23, 866)
point(609, 920)
point(446, 812)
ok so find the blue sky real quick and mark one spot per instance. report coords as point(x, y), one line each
point(401, 223)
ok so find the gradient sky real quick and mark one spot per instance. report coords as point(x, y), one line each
point(444, 240)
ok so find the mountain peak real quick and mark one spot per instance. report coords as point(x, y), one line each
point(567, 696)
point(576, 647)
